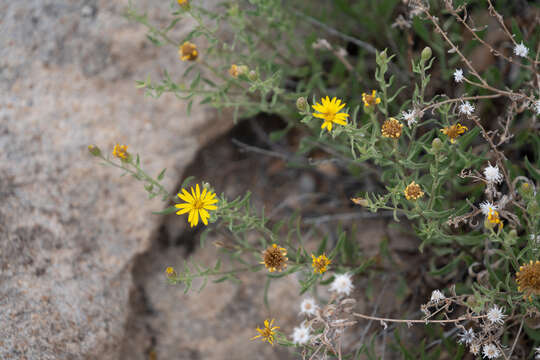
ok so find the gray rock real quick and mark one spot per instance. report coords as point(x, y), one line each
point(69, 227)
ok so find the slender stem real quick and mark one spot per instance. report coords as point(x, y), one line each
point(461, 318)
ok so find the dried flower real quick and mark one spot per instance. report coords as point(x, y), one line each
point(528, 278)
point(391, 128)
point(308, 307)
point(371, 100)
point(320, 263)
point(329, 112)
point(197, 204)
point(454, 131)
point(437, 296)
point(466, 337)
point(486, 206)
point(495, 315)
point(536, 107)
point(493, 218)
point(409, 117)
point(475, 348)
point(267, 334)
point(188, 51)
point(275, 258)
point(301, 334)
point(491, 352)
point(458, 75)
point(466, 108)
point(120, 151)
point(521, 50)
point(342, 284)
point(413, 191)
point(321, 44)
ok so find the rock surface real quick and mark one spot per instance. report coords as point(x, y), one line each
point(69, 227)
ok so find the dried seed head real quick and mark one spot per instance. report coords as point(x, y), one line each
point(275, 258)
point(413, 191)
point(391, 128)
point(528, 279)
point(188, 51)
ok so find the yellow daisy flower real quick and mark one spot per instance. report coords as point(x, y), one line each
point(120, 151)
point(320, 263)
point(267, 334)
point(170, 271)
point(454, 131)
point(329, 112)
point(493, 218)
point(371, 100)
point(197, 204)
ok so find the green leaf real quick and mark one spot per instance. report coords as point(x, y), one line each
point(187, 181)
point(161, 174)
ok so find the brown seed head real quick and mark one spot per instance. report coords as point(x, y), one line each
point(528, 279)
point(275, 258)
point(391, 128)
point(413, 191)
point(188, 51)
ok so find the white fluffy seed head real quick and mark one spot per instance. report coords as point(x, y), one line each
point(495, 315)
point(486, 206)
point(437, 296)
point(521, 50)
point(492, 174)
point(490, 351)
point(466, 108)
point(466, 337)
point(536, 107)
point(342, 284)
point(301, 334)
point(475, 348)
point(308, 306)
point(409, 117)
point(458, 75)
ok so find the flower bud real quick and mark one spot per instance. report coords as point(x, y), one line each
point(360, 201)
point(525, 189)
point(252, 75)
point(242, 69)
point(94, 150)
point(426, 54)
point(436, 145)
point(302, 104)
